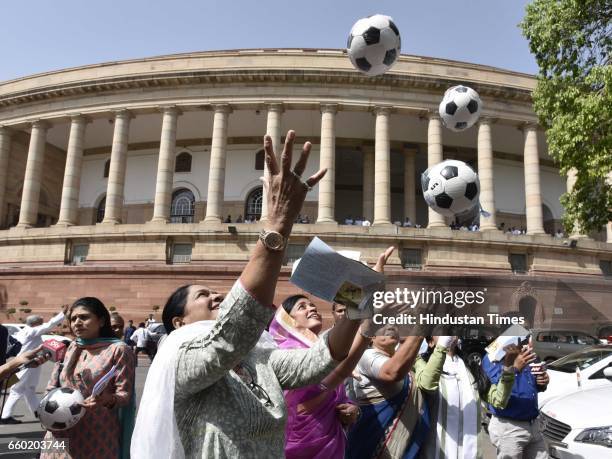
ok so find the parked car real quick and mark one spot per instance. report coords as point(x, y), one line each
point(157, 331)
point(551, 345)
point(591, 362)
point(579, 424)
point(605, 333)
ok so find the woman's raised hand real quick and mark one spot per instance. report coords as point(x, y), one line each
point(286, 190)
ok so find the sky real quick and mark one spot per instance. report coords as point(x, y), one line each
point(39, 35)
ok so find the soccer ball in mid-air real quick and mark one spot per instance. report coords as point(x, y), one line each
point(61, 409)
point(460, 108)
point(450, 187)
point(374, 44)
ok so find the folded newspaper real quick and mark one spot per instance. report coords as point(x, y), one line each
point(329, 275)
point(513, 335)
point(103, 381)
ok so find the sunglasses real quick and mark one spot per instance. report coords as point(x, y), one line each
point(246, 375)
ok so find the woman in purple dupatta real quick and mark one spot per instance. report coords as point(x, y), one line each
point(316, 415)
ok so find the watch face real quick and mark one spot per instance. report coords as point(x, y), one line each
point(274, 240)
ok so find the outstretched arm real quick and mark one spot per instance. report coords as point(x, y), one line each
point(204, 360)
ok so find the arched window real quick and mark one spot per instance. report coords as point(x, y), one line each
point(100, 211)
point(183, 206)
point(253, 204)
point(106, 168)
point(259, 160)
point(183, 162)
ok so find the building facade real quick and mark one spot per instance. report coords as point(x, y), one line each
point(120, 180)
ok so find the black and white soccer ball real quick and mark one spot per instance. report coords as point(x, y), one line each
point(460, 108)
point(451, 187)
point(374, 44)
point(61, 409)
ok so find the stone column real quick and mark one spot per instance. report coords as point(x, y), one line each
point(382, 168)
point(116, 174)
point(533, 196)
point(5, 153)
point(165, 165)
point(569, 183)
point(368, 183)
point(72, 172)
point(485, 174)
point(409, 184)
point(216, 175)
point(273, 129)
point(327, 159)
point(434, 156)
point(28, 212)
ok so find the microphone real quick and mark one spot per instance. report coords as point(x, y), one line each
point(52, 349)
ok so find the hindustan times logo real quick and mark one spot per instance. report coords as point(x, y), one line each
point(412, 298)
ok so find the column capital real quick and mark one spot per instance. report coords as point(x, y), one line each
point(486, 120)
point(5, 130)
point(382, 110)
point(80, 118)
point(222, 108)
point(409, 149)
point(329, 108)
point(123, 113)
point(433, 114)
point(170, 109)
point(41, 124)
point(529, 126)
point(275, 107)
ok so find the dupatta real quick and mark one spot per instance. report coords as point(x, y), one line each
point(313, 429)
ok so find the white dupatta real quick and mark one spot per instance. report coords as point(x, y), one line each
point(156, 434)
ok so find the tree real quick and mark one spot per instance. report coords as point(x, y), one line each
point(572, 43)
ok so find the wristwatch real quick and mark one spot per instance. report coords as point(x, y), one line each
point(272, 240)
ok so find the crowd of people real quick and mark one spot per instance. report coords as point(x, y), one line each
point(235, 376)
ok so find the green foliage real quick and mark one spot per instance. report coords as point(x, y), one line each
point(23, 303)
point(572, 43)
point(25, 310)
point(156, 307)
point(112, 308)
point(10, 311)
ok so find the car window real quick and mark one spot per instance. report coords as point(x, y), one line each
point(599, 374)
point(581, 338)
point(581, 359)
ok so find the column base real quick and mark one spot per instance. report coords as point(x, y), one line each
point(489, 228)
point(326, 220)
point(158, 221)
point(109, 222)
point(212, 220)
point(64, 224)
point(382, 223)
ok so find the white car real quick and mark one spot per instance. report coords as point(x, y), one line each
point(578, 425)
point(564, 378)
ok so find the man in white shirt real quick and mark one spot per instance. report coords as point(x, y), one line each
point(30, 338)
point(141, 337)
point(366, 222)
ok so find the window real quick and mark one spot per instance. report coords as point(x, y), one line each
point(181, 253)
point(183, 206)
point(183, 162)
point(259, 160)
point(411, 258)
point(100, 211)
point(79, 253)
point(518, 263)
point(294, 252)
point(106, 168)
point(253, 204)
point(606, 267)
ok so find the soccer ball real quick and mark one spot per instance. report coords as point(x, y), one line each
point(374, 44)
point(460, 108)
point(61, 409)
point(450, 187)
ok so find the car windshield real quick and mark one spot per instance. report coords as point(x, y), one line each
point(581, 359)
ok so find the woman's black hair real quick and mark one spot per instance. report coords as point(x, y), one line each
point(175, 307)
point(289, 302)
point(97, 308)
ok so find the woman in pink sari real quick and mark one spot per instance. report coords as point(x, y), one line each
point(316, 415)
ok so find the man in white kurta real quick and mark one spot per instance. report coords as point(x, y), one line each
point(30, 338)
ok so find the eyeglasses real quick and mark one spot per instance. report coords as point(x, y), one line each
point(246, 375)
